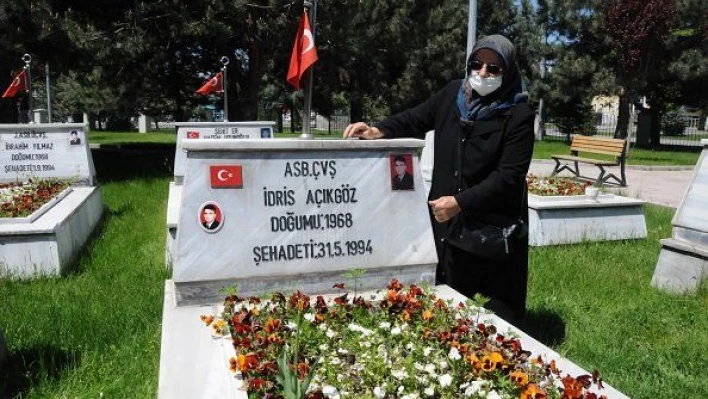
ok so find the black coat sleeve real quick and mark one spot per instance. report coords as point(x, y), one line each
point(416, 121)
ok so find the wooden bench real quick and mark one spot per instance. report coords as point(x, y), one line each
point(594, 145)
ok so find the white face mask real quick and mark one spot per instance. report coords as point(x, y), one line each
point(484, 86)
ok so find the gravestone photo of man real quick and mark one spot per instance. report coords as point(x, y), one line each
point(74, 140)
point(401, 179)
point(210, 217)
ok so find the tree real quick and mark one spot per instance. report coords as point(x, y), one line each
point(635, 30)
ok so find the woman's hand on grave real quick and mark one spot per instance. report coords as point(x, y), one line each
point(444, 208)
point(363, 131)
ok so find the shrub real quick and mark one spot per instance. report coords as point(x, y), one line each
point(671, 124)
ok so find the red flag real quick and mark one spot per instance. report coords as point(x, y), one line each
point(192, 135)
point(304, 52)
point(214, 85)
point(18, 84)
point(225, 176)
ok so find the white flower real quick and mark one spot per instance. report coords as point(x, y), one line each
point(454, 354)
point(410, 396)
point(395, 331)
point(385, 325)
point(291, 325)
point(399, 374)
point(379, 392)
point(335, 361)
point(410, 346)
point(430, 368)
point(329, 390)
point(430, 391)
point(323, 347)
point(444, 365)
point(323, 327)
point(365, 344)
point(473, 388)
point(330, 334)
point(342, 351)
point(400, 389)
point(309, 317)
point(445, 380)
point(493, 395)
point(427, 350)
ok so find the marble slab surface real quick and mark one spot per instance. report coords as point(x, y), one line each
point(215, 131)
point(300, 208)
point(195, 365)
point(46, 150)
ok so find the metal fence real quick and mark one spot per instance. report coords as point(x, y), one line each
point(692, 134)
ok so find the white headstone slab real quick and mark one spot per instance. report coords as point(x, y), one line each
point(287, 208)
point(48, 150)
point(216, 130)
point(692, 213)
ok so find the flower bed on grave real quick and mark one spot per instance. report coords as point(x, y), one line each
point(21, 199)
point(555, 186)
point(398, 343)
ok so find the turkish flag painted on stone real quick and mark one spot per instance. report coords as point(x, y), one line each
point(192, 135)
point(214, 85)
point(226, 176)
point(18, 84)
point(304, 52)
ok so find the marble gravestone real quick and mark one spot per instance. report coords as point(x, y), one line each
point(285, 215)
point(188, 131)
point(683, 260)
point(45, 242)
point(555, 220)
point(299, 214)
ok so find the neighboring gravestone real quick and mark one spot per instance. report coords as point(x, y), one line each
point(683, 260)
point(555, 220)
point(299, 214)
point(187, 131)
point(45, 151)
point(49, 239)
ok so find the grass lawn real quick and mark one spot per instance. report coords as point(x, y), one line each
point(97, 330)
point(542, 149)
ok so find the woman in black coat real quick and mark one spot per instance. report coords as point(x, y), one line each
point(485, 119)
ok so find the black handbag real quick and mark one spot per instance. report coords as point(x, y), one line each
point(484, 239)
point(480, 238)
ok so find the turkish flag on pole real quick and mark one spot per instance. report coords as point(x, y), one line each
point(18, 84)
point(304, 52)
point(214, 85)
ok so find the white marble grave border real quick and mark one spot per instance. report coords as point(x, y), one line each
point(193, 364)
point(39, 212)
point(50, 243)
point(555, 220)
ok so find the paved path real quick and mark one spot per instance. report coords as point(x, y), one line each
point(658, 185)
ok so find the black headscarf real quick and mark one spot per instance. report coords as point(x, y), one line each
point(508, 94)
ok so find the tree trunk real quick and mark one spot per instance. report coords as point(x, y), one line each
point(655, 136)
point(622, 116)
point(355, 104)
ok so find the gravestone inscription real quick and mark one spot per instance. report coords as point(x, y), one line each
point(285, 213)
point(45, 151)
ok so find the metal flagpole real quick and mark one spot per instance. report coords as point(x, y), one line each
point(311, 6)
point(28, 85)
point(471, 29)
point(224, 87)
point(49, 93)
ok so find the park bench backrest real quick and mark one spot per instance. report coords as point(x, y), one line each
point(598, 145)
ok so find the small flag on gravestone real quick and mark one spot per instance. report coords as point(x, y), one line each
point(192, 135)
point(18, 84)
point(304, 52)
point(226, 176)
point(213, 85)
